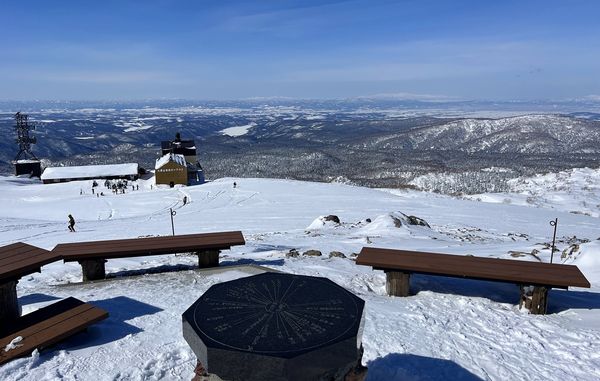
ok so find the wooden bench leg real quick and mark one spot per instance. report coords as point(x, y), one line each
point(535, 299)
point(9, 305)
point(208, 258)
point(93, 269)
point(397, 283)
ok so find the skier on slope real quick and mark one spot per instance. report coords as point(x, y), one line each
point(71, 223)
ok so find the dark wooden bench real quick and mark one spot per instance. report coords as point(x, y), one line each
point(93, 255)
point(17, 260)
point(47, 326)
point(534, 278)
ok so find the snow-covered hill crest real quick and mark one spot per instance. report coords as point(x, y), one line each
point(576, 191)
point(527, 134)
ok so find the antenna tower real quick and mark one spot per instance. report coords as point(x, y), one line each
point(22, 127)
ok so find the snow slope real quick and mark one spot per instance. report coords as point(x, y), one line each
point(449, 329)
point(576, 191)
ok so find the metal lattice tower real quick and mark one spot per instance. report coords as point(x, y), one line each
point(25, 141)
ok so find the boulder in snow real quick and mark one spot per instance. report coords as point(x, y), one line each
point(332, 218)
point(337, 254)
point(312, 253)
point(414, 220)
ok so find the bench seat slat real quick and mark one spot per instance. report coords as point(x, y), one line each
point(52, 330)
point(142, 244)
point(19, 249)
point(68, 327)
point(494, 269)
point(148, 246)
point(20, 259)
point(37, 316)
point(26, 266)
point(48, 323)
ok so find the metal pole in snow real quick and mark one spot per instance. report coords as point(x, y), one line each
point(173, 213)
point(555, 224)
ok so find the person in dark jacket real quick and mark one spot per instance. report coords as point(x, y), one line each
point(71, 223)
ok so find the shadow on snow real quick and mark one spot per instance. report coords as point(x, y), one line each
point(558, 300)
point(36, 298)
point(396, 367)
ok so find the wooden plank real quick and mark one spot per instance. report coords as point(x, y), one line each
point(432, 260)
point(150, 242)
point(40, 315)
point(68, 327)
point(52, 330)
point(160, 238)
point(494, 269)
point(26, 266)
point(142, 244)
point(148, 246)
point(21, 259)
point(48, 323)
point(17, 249)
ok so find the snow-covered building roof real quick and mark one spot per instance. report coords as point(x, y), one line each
point(179, 159)
point(90, 171)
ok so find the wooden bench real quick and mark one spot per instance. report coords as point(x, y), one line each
point(534, 278)
point(47, 326)
point(92, 255)
point(17, 260)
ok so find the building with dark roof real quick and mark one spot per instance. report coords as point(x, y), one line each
point(171, 169)
point(186, 148)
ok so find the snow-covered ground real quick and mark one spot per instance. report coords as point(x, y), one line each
point(451, 329)
point(576, 190)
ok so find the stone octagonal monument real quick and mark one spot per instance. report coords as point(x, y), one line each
point(276, 327)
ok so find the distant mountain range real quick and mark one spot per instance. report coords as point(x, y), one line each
point(377, 143)
point(529, 134)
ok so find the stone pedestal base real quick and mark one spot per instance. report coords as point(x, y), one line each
point(9, 305)
point(535, 299)
point(93, 269)
point(358, 373)
point(397, 283)
point(208, 258)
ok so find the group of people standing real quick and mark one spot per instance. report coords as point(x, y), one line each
point(120, 186)
point(116, 187)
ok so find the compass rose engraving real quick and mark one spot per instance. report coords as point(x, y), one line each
point(276, 313)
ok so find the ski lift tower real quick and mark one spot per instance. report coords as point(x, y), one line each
point(26, 163)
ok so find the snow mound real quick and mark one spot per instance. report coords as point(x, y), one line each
point(588, 259)
point(394, 221)
point(322, 223)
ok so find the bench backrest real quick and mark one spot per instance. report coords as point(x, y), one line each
point(148, 246)
point(504, 270)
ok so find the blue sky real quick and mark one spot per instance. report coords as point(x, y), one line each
point(302, 49)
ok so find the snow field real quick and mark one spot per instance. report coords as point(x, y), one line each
point(449, 328)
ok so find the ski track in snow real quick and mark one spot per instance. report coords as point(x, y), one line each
point(449, 329)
